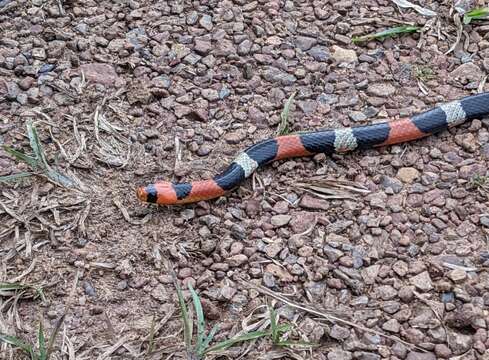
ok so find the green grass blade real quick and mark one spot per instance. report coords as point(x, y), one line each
point(283, 127)
point(16, 342)
point(6, 287)
point(187, 326)
point(59, 178)
point(208, 340)
point(52, 338)
point(274, 325)
point(200, 318)
point(14, 177)
point(230, 342)
point(476, 14)
point(12, 286)
point(283, 328)
point(36, 145)
point(151, 336)
point(20, 156)
point(42, 343)
point(386, 33)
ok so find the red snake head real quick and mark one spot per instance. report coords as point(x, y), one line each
point(162, 193)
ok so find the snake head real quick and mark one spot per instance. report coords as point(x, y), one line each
point(162, 193)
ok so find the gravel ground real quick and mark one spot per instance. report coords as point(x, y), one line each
point(126, 92)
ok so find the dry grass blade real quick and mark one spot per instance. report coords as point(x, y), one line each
point(25, 273)
point(115, 151)
point(126, 216)
point(178, 153)
point(482, 85)
point(55, 332)
point(331, 189)
point(67, 346)
point(460, 30)
point(12, 340)
point(82, 218)
point(406, 29)
point(458, 267)
point(328, 317)
point(110, 350)
point(406, 4)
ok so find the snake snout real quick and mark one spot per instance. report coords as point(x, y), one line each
point(141, 194)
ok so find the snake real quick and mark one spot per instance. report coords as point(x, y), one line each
point(327, 141)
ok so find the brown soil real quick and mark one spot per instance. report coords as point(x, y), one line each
point(127, 92)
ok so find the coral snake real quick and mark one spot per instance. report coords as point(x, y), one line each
point(323, 141)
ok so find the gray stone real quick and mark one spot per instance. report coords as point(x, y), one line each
point(89, 289)
point(269, 280)
point(244, 47)
point(319, 53)
point(275, 75)
point(339, 333)
point(422, 281)
point(226, 293)
point(307, 106)
point(192, 59)
point(341, 55)
point(370, 273)
point(457, 275)
point(408, 174)
point(467, 72)
point(332, 253)
point(206, 22)
point(381, 89)
point(304, 42)
point(484, 220)
point(202, 47)
point(100, 73)
point(339, 355)
point(210, 94)
point(22, 98)
point(224, 92)
point(392, 183)
point(414, 355)
point(237, 260)
point(160, 293)
point(386, 292)
point(460, 343)
point(357, 116)
point(192, 18)
point(364, 355)
point(39, 53)
point(13, 90)
point(392, 326)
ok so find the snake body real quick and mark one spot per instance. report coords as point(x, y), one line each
point(324, 141)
